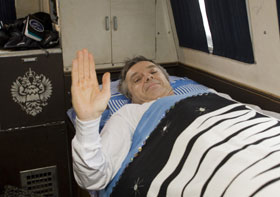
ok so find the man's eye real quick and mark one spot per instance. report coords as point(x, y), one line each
point(137, 80)
point(153, 72)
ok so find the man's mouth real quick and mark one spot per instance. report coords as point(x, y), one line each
point(151, 85)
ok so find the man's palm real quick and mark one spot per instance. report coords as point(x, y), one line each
point(89, 101)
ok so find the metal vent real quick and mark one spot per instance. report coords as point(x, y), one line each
point(41, 181)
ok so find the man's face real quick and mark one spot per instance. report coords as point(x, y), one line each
point(146, 82)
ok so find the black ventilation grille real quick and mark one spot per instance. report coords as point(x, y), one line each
point(41, 181)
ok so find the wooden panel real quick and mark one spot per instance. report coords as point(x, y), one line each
point(31, 90)
point(33, 148)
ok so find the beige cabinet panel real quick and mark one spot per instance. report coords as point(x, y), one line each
point(134, 28)
point(112, 29)
point(83, 25)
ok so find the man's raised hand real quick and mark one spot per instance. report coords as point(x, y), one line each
point(89, 101)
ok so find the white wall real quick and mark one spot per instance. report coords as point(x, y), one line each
point(23, 7)
point(165, 44)
point(264, 75)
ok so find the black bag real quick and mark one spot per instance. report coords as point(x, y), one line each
point(32, 32)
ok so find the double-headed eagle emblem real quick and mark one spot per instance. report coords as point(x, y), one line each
point(31, 92)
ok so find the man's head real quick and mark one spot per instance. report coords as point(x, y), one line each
point(142, 80)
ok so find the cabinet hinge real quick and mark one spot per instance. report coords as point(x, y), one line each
point(156, 44)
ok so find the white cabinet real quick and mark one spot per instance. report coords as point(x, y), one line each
point(112, 29)
point(82, 25)
point(136, 29)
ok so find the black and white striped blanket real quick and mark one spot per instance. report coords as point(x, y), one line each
point(207, 146)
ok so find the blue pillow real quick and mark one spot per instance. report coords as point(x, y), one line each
point(180, 85)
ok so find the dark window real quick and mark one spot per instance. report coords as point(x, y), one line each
point(7, 11)
point(189, 24)
point(278, 9)
point(228, 23)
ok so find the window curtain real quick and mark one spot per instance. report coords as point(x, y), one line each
point(278, 9)
point(7, 11)
point(228, 22)
point(189, 24)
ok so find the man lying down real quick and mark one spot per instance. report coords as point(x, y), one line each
point(169, 145)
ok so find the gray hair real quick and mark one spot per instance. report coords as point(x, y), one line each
point(123, 87)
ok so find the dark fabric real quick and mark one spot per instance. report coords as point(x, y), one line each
point(278, 9)
point(157, 149)
point(189, 24)
point(228, 22)
point(7, 11)
point(206, 146)
point(12, 191)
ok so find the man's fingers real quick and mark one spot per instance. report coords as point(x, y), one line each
point(86, 63)
point(91, 66)
point(80, 57)
point(75, 72)
point(106, 84)
point(92, 74)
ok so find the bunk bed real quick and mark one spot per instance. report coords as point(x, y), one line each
point(200, 142)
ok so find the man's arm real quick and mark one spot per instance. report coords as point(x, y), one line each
point(89, 102)
point(92, 170)
point(96, 159)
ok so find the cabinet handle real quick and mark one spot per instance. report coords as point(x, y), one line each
point(29, 59)
point(115, 20)
point(107, 23)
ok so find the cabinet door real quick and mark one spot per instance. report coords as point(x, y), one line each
point(136, 29)
point(32, 89)
point(83, 25)
point(37, 148)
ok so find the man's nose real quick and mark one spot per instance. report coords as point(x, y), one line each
point(149, 77)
